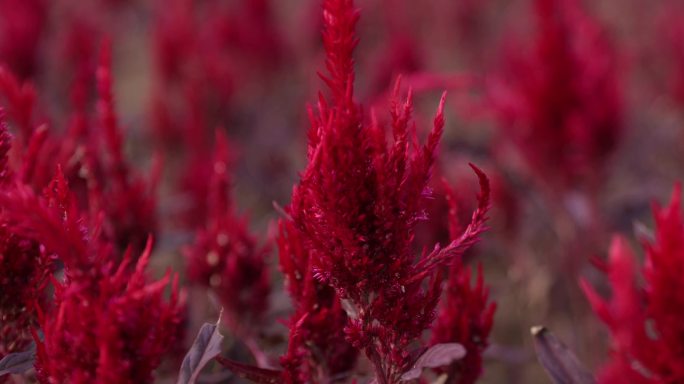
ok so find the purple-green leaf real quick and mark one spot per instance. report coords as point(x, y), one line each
point(558, 360)
point(439, 355)
point(206, 346)
point(17, 363)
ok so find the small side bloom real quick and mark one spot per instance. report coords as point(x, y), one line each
point(226, 257)
point(466, 316)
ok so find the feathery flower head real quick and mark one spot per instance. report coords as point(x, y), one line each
point(358, 202)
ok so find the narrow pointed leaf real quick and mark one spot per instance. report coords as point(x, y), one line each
point(206, 346)
point(558, 360)
point(438, 355)
point(17, 363)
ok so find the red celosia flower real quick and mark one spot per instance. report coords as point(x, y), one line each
point(561, 105)
point(317, 349)
point(646, 322)
point(226, 256)
point(24, 268)
point(357, 205)
point(107, 324)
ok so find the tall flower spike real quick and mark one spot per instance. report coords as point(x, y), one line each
point(357, 205)
point(646, 322)
point(561, 104)
point(130, 202)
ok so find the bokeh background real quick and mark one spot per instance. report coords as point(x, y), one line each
point(574, 110)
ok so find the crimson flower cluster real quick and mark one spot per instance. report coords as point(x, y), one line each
point(358, 202)
point(107, 324)
point(227, 258)
point(646, 320)
point(561, 104)
point(104, 323)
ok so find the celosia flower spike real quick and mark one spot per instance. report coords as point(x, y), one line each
point(561, 105)
point(646, 322)
point(357, 205)
point(130, 202)
point(107, 114)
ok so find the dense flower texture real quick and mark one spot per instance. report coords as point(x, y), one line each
point(317, 349)
point(106, 324)
point(357, 204)
point(227, 258)
point(24, 269)
point(646, 323)
point(561, 104)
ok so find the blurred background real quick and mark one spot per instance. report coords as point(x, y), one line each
point(573, 109)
